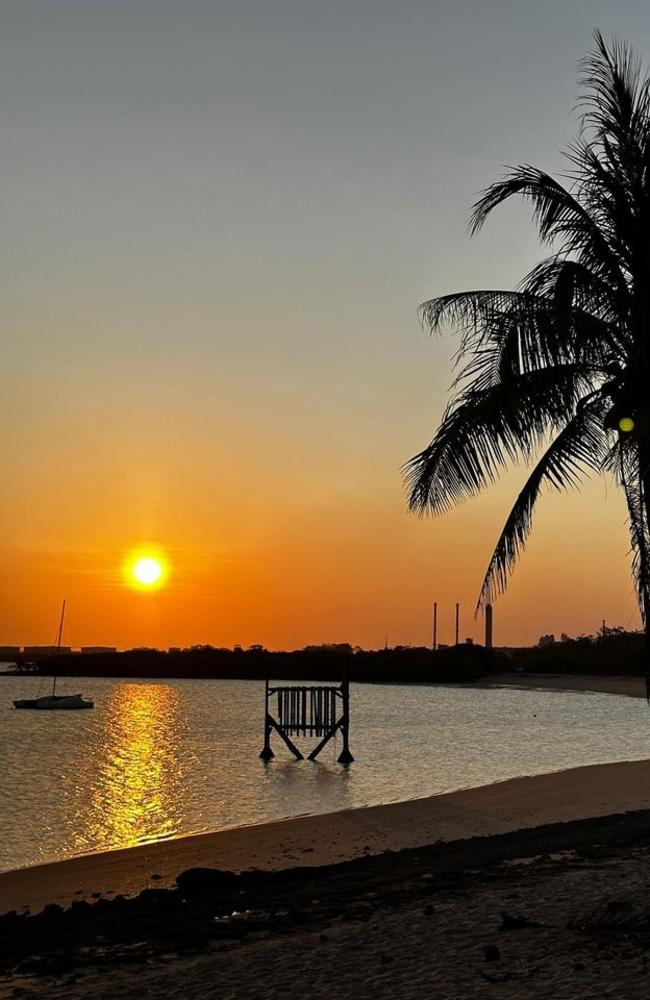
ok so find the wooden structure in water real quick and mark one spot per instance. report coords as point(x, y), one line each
point(321, 710)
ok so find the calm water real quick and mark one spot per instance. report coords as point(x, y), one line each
point(154, 761)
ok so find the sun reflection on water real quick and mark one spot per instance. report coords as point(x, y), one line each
point(136, 794)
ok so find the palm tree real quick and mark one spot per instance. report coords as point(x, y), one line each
point(557, 371)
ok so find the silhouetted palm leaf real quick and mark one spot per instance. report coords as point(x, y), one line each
point(579, 448)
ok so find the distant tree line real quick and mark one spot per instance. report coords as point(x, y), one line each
point(400, 664)
point(614, 651)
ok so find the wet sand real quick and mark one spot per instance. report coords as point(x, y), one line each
point(631, 687)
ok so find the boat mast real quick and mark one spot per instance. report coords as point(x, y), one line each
point(58, 641)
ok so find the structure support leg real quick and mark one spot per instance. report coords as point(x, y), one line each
point(266, 752)
point(328, 736)
point(294, 749)
point(345, 756)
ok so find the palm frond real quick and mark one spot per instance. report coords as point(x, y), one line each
point(506, 333)
point(558, 215)
point(578, 449)
point(484, 431)
point(616, 97)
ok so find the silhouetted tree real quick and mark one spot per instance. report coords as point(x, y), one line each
point(557, 372)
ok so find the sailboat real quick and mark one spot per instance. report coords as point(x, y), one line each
point(50, 701)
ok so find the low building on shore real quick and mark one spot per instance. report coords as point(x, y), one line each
point(9, 654)
point(40, 652)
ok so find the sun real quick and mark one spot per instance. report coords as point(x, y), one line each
point(146, 570)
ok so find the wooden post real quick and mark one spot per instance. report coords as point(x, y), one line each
point(345, 757)
point(267, 753)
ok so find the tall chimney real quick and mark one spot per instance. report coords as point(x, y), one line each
point(488, 626)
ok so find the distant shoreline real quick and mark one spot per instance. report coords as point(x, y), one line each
point(629, 687)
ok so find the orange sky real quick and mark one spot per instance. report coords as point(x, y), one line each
point(346, 569)
point(216, 232)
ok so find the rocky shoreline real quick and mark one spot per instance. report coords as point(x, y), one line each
point(209, 912)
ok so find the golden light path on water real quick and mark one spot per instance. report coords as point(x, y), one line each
point(138, 783)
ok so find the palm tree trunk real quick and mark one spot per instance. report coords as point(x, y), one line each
point(646, 628)
point(644, 479)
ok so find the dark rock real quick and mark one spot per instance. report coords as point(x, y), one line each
point(620, 906)
point(159, 897)
point(510, 923)
point(492, 953)
point(197, 880)
point(46, 965)
point(502, 977)
point(80, 906)
point(155, 877)
point(386, 959)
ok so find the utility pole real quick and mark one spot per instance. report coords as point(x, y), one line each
point(435, 625)
point(457, 621)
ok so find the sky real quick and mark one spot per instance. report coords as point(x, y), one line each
point(217, 223)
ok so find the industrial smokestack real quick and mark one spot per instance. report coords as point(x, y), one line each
point(488, 626)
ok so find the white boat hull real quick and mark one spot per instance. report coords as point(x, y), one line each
point(56, 701)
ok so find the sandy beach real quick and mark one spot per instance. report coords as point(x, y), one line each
point(629, 687)
point(377, 835)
